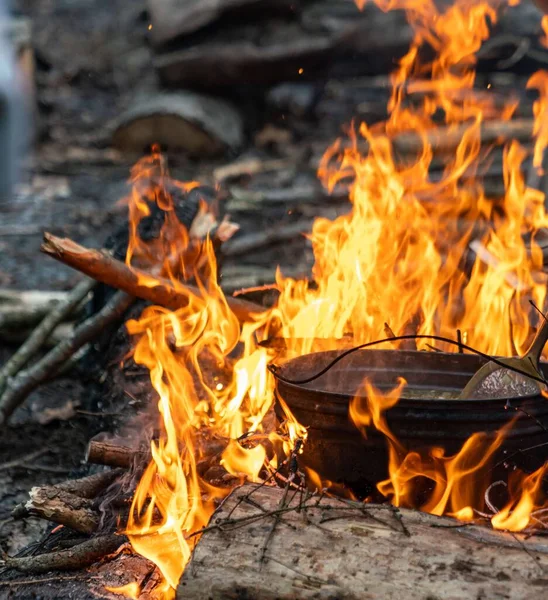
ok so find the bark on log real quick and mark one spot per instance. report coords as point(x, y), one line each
point(106, 269)
point(114, 453)
point(54, 504)
point(78, 557)
point(355, 552)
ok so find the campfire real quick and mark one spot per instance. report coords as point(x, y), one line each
point(343, 401)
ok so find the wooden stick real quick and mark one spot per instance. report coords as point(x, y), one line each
point(18, 388)
point(54, 504)
point(44, 330)
point(113, 453)
point(103, 267)
point(80, 556)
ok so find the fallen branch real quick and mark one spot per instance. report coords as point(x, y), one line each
point(106, 269)
point(255, 200)
point(19, 387)
point(22, 461)
point(54, 504)
point(80, 556)
point(44, 330)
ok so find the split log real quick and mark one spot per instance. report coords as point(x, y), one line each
point(106, 269)
point(197, 124)
point(337, 549)
point(59, 506)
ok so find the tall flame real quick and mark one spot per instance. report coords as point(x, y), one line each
point(397, 258)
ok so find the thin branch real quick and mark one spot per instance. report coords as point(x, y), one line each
point(43, 331)
point(25, 382)
point(80, 556)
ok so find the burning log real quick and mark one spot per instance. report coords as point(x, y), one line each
point(327, 547)
point(103, 267)
point(448, 138)
point(92, 485)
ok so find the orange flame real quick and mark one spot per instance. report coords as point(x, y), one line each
point(397, 258)
point(130, 590)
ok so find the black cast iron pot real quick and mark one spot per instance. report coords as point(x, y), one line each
point(428, 413)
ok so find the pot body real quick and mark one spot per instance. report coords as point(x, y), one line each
point(420, 420)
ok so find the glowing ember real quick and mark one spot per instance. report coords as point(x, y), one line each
point(396, 259)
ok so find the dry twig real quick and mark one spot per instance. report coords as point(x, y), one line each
point(43, 331)
point(18, 388)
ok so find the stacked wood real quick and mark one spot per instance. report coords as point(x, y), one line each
point(230, 43)
point(259, 546)
point(220, 43)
